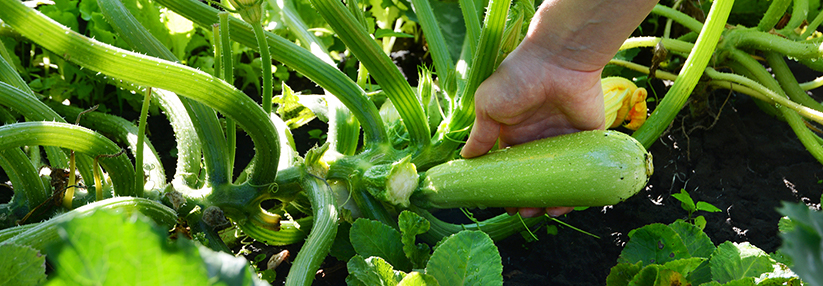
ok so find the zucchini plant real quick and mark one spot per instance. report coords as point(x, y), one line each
point(406, 160)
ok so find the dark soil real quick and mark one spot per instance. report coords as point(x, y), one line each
point(746, 165)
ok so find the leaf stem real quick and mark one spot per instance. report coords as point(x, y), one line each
point(694, 66)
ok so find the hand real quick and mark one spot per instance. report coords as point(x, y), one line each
point(550, 84)
point(527, 99)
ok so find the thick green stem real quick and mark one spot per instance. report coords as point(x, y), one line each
point(806, 136)
point(227, 63)
point(322, 234)
point(381, 68)
point(800, 10)
point(483, 64)
point(693, 68)
point(150, 71)
point(443, 63)
point(301, 60)
point(41, 235)
point(122, 131)
point(77, 138)
point(776, 11)
point(473, 30)
point(679, 17)
point(141, 40)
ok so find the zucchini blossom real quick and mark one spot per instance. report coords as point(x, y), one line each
point(624, 102)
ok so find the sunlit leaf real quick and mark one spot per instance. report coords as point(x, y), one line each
point(732, 261)
point(466, 258)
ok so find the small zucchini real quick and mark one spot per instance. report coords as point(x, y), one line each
point(588, 168)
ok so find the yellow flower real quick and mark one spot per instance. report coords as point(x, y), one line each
point(624, 101)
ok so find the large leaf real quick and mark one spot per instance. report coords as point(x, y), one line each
point(411, 224)
point(654, 244)
point(373, 271)
point(732, 261)
point(803, 242)
point(466, 258)
point(373, 238)
point(22, 265)
point(696, 241)
point(105, 248)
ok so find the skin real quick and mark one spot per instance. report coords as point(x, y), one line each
point(550, 84)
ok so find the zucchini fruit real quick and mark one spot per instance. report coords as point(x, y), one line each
point(588, 168)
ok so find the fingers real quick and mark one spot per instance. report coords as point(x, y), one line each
point(482, 137)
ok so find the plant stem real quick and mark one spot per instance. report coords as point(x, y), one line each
point(148, 71)
point(482, 66)
point(322, 233)
point(806, 137)
point(77, 138)
point(775, 12)
point(381, 68)
point(676, 97)
point(299, 59)
point(41, 235)
point(679, 17)
point(141, 135)
point(227, 63)
point(443, 63)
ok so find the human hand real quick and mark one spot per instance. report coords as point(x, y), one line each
point(528, 99)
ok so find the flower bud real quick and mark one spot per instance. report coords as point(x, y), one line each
point(249, 10)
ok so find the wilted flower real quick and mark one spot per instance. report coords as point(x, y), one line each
point(249, 10)
point(624, 101)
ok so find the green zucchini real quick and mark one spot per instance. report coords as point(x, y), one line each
point(589, 168)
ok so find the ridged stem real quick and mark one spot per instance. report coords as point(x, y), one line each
point(322, 234)
point(693, 68)
point(299, 59)
point(77, 138)
point(381, 68)
point(482, 66)
point(150, 71)
point(41, 235)
point(775, 12)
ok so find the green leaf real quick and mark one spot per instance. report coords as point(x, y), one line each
point(418, 279)
point(685, 200)
point(654, 244)
point(411, 224)
point(658, 275)
point(22, 265)
point(373, 271)
point(733, 261)
point(373, 238)
point(704, 206)
point(622, 273)
point(291, 110)
point(685, 266)
point(341, 248)
point(111, 249)
point(803, 242)
point(466, 258)
point(696, 241)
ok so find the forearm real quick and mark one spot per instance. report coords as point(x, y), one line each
point(583, 35)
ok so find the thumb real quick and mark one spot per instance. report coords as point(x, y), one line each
point(482, 137)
